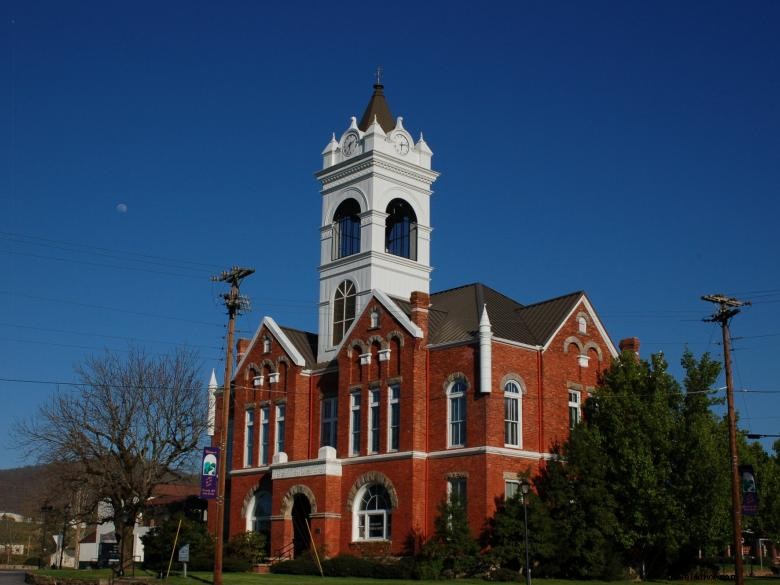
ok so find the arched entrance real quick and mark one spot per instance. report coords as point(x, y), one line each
point(301, 518)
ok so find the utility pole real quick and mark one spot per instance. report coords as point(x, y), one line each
point(727, 308)
point(234, 303)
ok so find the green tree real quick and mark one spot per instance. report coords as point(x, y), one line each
point(159, 543)
point(452, 551)
point(506, 535)
point(247, 546)
point(643, 479)
point(766, 523)
point(702, 465)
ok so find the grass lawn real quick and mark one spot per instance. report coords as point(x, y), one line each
point(199, 578)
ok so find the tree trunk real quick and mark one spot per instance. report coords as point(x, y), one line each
point(125, 536)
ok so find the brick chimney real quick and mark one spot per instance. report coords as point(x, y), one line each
point(241, 346)
point(420, 302)
point(630, 344)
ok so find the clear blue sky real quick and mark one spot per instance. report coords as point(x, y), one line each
point(630, 149)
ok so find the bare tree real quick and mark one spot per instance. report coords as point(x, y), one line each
point(131, 423)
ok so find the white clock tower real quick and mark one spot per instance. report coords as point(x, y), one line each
point(375, 234)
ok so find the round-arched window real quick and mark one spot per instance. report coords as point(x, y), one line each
point(346, 229)
point(259, 513)
point(512, 414)
point(343, 309)
point(456, 413)
point(373, 513)
point(401, 230)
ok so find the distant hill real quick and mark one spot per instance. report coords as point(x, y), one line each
point(23, 489)
point(20, 488)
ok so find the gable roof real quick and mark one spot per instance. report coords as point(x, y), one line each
point(455, 314)
point(304, 342)
point(453, 317)
point(279, 334)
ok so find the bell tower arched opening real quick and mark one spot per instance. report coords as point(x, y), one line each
point(401, 230)
point(346, 229)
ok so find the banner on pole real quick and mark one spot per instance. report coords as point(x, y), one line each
point(208, 477)
point(749, 491)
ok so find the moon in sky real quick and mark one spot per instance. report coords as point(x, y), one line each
point(122, 208)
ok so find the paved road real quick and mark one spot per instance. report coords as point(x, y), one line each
point(11, 577)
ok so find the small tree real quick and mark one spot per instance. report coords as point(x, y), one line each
point(452, 551)
point(131, 423)
point(505, 533)
point(159, 542)
point(247, 546)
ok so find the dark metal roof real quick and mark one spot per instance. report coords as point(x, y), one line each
point(455, 315)
point(377, 106)
point(304, 342)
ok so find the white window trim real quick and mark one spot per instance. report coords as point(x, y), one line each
point(356, 515)
point(280, 408)
point(450, 396)
point(354, 408)
point(507, 483)
point(250, 518)
point(576, 404)
point(249, 427)
point(519, 398)
point(331, 421)
point(453, 479)
point(374, 405)
point(582, 325)
point(263, 455)
point(390, 402)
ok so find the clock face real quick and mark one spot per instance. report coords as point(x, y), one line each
point(401, 144)
point(350, 144)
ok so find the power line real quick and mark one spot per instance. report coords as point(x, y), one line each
point(100, 264)
point(119, 337)
point(27, 296)
point(85, 384)
point(62, 245)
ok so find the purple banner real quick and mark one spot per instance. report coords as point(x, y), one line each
point(749, 490)
point(208, 477)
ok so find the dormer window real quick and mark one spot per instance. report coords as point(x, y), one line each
point(401, 230)
point(266, 344)
point(374, 318)
point(346, 229)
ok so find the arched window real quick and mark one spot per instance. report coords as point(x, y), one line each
point(512, 414)
point(401, 230)
point(259, 513)
point(456, 414)
point(343, 310)
point(582, 324)
point(346, 229)
point(373, 513)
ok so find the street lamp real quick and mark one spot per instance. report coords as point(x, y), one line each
point(525, 487)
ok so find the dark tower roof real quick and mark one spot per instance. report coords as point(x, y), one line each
point(377, 106)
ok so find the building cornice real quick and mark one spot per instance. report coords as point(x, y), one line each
point(332, 467)
point(373, 159)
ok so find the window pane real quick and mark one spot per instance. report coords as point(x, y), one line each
point(264, 434)
point(376, 526)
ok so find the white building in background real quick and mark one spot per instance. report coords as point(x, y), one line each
point(99, 546)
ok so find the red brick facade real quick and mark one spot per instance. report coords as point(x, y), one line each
point(324, 486)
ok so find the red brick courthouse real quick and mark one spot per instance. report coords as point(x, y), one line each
point(353, 435)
